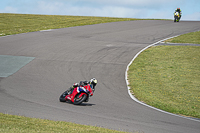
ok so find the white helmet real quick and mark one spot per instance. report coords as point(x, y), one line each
point(93, 81)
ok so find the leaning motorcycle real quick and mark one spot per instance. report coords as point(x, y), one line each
point(80, 94)
point(176, 17)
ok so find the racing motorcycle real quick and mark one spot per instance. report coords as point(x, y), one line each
point(80, 94)
point(176, 17)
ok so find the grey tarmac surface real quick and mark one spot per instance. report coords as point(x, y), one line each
point(103, 51)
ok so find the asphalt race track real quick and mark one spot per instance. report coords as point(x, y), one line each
point(103, 51)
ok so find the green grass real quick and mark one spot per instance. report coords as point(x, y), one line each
point(168, 78)
point(22, 23)
point(193, 37)
point(20, 124)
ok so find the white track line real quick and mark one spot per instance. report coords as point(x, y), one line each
point(135, 99)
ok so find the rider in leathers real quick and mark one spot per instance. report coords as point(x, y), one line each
point(179, 11)
point(92, 82)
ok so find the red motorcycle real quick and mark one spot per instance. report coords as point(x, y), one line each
point(80, 94)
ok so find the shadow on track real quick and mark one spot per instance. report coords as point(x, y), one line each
point(82, 104)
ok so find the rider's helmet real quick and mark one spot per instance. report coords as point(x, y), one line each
point(82, 83)
point(93, 81)
point(178, 9)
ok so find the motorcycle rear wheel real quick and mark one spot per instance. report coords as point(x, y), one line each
point(78, 100)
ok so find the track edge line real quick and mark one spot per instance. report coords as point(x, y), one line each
point(135, 99)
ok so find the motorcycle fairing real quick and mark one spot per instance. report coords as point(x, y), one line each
point(176, 14)
point(86, 90)
point(78, 90)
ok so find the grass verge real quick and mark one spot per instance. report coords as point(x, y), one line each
point(22, 23)
point(160, 77)
point(167, 77)
point(193, 37)
point(20, 124)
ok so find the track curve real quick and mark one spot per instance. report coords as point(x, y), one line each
point(103, 51)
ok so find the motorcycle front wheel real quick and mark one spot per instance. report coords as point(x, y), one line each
point(174, 19)
point(78, 100)
point(62, 97)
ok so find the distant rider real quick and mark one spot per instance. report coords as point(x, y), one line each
point(179, 11)
point(92, 82)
